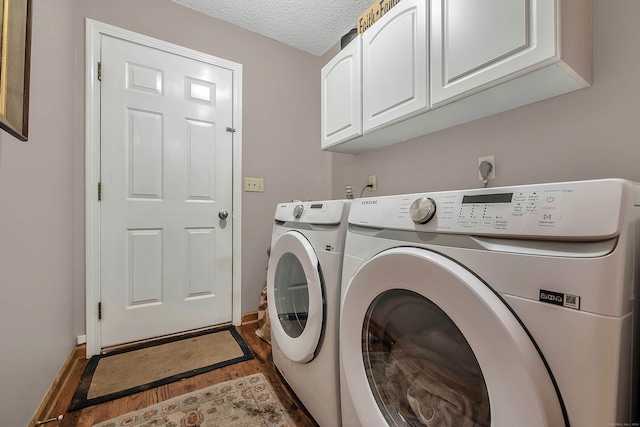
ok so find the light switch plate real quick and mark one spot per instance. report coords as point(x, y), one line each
point(254, 184)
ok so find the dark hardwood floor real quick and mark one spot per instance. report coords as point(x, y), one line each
point(262, 362)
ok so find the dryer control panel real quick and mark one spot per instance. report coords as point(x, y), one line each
point(322, 212)
point(578, 210)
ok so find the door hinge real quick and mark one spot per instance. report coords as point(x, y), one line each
point(100, 310)
point(230, 130)
point(99, 191)
point(99, 71)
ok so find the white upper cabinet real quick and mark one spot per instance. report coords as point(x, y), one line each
point(341, 86)
point(395, 65)
point(477, 44)
point(488, 56)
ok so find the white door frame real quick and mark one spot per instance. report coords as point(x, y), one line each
point(94, 32)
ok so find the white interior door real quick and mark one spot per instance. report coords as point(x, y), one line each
point(166, 174)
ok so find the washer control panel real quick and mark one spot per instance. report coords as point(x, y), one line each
point(325, 212)
point(580, 209)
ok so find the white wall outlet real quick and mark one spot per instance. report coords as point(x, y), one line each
point(81, 339)
point(492, 160)
point(254, 184)
point(372, 182)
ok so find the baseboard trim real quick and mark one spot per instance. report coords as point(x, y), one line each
point(51, 398)
point(250, 317)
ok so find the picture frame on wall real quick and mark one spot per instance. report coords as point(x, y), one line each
point(15, 60)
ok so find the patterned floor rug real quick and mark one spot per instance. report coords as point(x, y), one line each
point(247, 401)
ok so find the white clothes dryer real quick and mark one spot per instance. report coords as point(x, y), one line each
point(510, 306)
point(303, 294)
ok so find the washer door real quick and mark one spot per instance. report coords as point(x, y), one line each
point(424, 342)
point(295, 297)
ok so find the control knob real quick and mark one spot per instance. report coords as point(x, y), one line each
point(297, 211)
point(422, 210)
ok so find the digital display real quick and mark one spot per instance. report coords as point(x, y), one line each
point(488, 198)
point(316, 206)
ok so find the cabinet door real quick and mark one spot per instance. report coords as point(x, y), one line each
point(341, 87)
point(476, 44)
point(395, 72)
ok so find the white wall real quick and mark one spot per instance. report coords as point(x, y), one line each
point(36, 224)
point(591, 133)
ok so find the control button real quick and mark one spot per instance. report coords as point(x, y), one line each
point(501, 225)
point(422, 210)
point(297, 211)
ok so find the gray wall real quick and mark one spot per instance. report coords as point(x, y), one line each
point(591, 133)
point(36, 224)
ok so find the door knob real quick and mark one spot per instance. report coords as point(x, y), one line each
point(223, 214)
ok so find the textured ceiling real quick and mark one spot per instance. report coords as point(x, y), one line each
point(310, 25)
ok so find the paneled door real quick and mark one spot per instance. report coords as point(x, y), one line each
point(475, 44)
point(166, 193)
point(395, 54)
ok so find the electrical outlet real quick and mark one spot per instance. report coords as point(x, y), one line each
point(254, 184)
point(348, 192)
point(372, 182)
point(492, 160)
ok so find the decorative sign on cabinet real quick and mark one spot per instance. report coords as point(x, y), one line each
point(425, 66)
point(375, 12)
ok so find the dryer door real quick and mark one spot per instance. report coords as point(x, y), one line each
point(295, 297)
point(425, 342)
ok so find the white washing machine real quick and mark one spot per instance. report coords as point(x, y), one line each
point(495, 307)
point(303, 293)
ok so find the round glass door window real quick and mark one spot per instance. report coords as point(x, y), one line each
point(419, 366)
point(291, 295)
